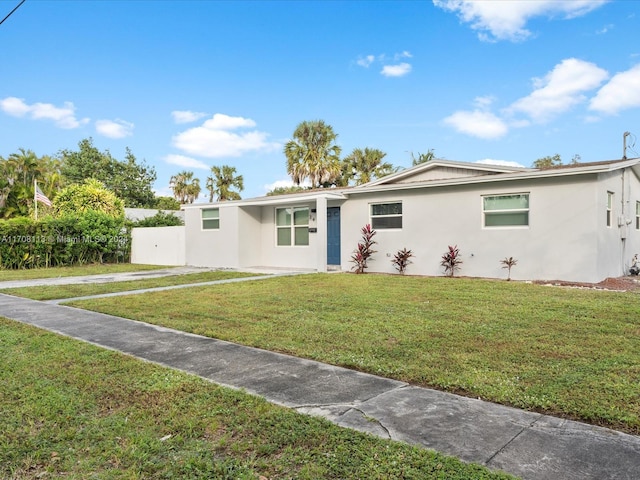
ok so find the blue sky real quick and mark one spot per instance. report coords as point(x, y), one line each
point(191, 84)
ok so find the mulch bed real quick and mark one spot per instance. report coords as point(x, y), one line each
point(621, 284)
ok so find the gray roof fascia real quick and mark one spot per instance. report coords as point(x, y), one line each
point(271, 200)
point(528, 174)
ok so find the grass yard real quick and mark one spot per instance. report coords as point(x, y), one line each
point(81, 290)
point(566, 352)
point(91, 269)
point(71, 410)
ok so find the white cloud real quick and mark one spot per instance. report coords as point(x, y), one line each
point(186, 162)
point(621, 93)
point(366, 61)
point(501, 20)
point(404, 54)
point(215, 138)
point(63, 117)
point(114, 128)
point(186, 116)
point(560, 89)
point(399, 70)
point(477, 123)
point(504, 163)
point(484, 102)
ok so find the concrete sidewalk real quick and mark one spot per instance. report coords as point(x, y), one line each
point(526, 444)
point(103, 278)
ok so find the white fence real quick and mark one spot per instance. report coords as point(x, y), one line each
point(158, 246)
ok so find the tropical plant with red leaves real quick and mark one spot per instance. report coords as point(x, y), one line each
point(401, 260)
point(451, 260)
point(364, 250)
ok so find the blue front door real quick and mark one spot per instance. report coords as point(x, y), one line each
point(333, 236)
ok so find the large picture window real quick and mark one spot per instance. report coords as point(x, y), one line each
point(292, 226)
point(386, 215)
point(210, 218)
point(506, 210)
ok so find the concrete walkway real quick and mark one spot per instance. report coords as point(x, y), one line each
point(526, 444)
point(103, 278)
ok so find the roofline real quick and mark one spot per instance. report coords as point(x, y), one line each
point(488, 167)
point(330, 194)
point(528, 174)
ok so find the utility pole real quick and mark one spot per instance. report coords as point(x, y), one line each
point(624, 144)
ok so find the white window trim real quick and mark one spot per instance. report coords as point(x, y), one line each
point(401, 215)
point(292, 226)
point(610, 199)
point(203, 219)
point(511, 210)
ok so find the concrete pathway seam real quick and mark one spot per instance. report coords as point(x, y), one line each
point(513, 439)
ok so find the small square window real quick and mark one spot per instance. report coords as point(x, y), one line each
point(292, 226)
point(211, 219)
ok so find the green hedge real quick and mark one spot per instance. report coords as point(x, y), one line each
point(92, 237)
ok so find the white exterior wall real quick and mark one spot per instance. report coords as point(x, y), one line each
point(158, 246)
point(213, 248)
point(618, 243)
point(290, 256)
point(559, 242)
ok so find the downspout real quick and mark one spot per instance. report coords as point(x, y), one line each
point(623, 224)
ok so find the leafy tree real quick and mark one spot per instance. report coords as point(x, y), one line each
point(17, 175)
point(160, 219)
point(313, 154)
point(422, 157)
point(186, 189)
point(129, 180)
point(367, 165)
point(89, 196)
point(285, 190)
point(548, 162)
point(221, 182)
point(167, 203)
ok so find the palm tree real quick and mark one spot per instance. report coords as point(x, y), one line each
point(313, 154)
point(422, 157)
point(366, 165)
point(185, 188)
point(222, 181)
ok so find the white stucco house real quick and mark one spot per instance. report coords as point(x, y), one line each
point(576, 223)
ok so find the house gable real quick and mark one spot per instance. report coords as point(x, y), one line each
point(443, 170)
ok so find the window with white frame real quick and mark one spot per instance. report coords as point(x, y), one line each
point(637, 215)
point(386, 215)
point(210, 218)
point(292, 226)
point(609, 208)
point(510, 210)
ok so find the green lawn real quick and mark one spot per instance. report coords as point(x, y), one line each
point(92, 269)
point(71, 410)
point(70, 291)
point(565, 352)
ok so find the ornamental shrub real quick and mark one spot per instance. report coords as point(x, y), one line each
point(69, 239)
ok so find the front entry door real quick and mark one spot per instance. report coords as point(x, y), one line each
point(333, 236)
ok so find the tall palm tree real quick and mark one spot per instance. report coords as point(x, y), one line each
point(185, 188)
point(221, 182)
point(313, 154)
point(367, 165)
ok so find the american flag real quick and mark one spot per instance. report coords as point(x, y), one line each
point(41, 197)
